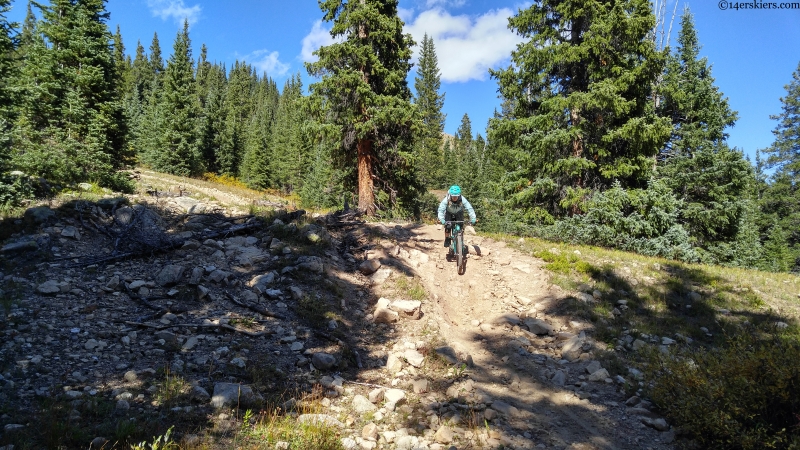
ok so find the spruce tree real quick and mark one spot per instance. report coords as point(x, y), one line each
point(781, 200)
point(212, 120)
point(7, 71)
point(256, 166)
point(715, 183)
point(579, 92)
point(689, 98)
point(72, 127)
point(176, 150)
point(288, 149)
point(429, 103)
point(238, 107)
point(363, 84)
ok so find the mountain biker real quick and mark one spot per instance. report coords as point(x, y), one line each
point(452, 209)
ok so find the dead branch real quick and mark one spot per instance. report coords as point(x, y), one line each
point(257, 308)
point(200, 325)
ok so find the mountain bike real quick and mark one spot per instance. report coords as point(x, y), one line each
point(457, 248)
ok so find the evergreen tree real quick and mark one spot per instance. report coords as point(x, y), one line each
point(72, 127)
point(176, 149)
point(7, 69)
point(581, 110)
point(156, 61)
point(211, 123)
point(781, 200)
point(238, 107)
point(715, 184)
point(429, 103)
point(288, 150)
point(256, 166)
point(363, 84)
point(689, 98)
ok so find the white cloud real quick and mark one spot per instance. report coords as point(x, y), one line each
point(176, 10)
point(318, 36)
point(267, 61)
point(466, 47)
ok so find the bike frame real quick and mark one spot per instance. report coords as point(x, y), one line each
point(457, 244)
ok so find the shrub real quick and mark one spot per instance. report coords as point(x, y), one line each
point(745, 395)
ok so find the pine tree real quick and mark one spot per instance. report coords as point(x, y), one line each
point(176, 150)
point(72, 127)
point(288, 149)
point(781, 200)
point(429, 103)
point(211, 123)
point(256, 166)
point(7, 71)
point(579, 93)
point(363, 84)
point(715, 184)
point(689, 98)
point(238, 107)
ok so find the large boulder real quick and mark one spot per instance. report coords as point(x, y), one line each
point(170, 275)
point(232, 394)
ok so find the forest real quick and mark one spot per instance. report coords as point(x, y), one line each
point(605, 137)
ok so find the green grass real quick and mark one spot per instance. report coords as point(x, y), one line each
point(410, 288)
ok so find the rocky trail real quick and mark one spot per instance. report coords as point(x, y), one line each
point(213, 312)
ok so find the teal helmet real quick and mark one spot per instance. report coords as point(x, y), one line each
point(454, 193)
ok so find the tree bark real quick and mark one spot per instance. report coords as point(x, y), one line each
point(366, 194)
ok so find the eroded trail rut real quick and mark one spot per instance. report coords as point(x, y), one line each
point(482, 315)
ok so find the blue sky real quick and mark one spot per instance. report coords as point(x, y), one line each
point(753, 52)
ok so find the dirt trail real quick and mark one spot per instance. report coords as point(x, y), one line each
point(479, 315)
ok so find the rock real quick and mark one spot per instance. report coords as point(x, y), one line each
point(323, 361)
point(695, 297)
point(410, 309)
point(13, 427)
point(71, 232)
point(136, 284)
point(49, 287)
point(91, 344)
point(599, 375)
point(505, 409)
point(593, 366)
point(198, 394)
point(260, 282)
point(376, 395)
point(394, 364)
point(196, 277)
point(369, 267)
point(505, 319)
point(219, 276)
point(667, 341)
point(572, 350)
point(420, 386)
point(489, 414)
point(560, 378)
point(382, 312)
point(276, 244)
point(311, 263)
point(98, 442)
point(130, 376)
point(19, 247)
point(122, 406)
point(39, 214)
point(444, 435)
point(638, 344)
point(381, 275)
point(414, 357)
point(538, 326)
point(362, 405)
point(370, 431)
point(170, 339)
point(170, 275)
point(659, 424)
point(231, 394)
point(322, 419)
point(394, 396)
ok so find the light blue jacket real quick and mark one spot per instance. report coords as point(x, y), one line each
point(467, 206)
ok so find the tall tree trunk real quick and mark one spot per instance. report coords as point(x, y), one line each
point(366, 194)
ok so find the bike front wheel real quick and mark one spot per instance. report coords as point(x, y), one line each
point(460, 257)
